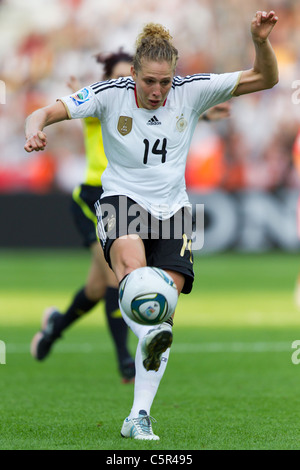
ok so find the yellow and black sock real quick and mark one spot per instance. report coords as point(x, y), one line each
point(79, 307)
point(117, 326)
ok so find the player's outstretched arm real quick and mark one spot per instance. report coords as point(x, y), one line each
point(36, 139)
point(264, 73)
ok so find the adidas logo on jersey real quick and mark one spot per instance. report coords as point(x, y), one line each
point(153, 121)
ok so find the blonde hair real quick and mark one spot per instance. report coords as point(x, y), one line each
point(155, 43)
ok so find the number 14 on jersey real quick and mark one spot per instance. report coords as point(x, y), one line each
point(159, 148)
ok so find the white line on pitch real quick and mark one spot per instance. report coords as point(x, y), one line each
point(182, 348)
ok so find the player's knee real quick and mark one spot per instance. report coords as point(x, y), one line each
point(130, 264)
point(95, 291)
point(127, 266)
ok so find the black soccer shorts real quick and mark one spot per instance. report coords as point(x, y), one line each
point(83, 211)
point(167, 242)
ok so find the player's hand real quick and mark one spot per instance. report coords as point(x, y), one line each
point(36, 142)
point(220, 111)
point(73, 84)
point(262, 25)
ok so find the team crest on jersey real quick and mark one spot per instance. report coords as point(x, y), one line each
point(181, 124)
point(81, 96)
point(124, 125)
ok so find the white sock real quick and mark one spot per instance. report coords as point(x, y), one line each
point(146, 382)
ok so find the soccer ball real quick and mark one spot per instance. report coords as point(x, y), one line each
point(148, 295)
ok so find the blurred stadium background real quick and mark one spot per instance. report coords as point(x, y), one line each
point(244, 169)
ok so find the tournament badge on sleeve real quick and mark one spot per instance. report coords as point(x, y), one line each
point(81, 96)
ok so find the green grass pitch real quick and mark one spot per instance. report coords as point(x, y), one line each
point(230, 382)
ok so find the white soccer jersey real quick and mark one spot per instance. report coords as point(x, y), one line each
point(147, 149)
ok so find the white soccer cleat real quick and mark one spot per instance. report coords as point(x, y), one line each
point(154, 344)
point(139, 428)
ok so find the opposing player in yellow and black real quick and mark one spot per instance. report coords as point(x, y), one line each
point(101, 282)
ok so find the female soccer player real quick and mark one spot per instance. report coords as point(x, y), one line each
point(147, 125)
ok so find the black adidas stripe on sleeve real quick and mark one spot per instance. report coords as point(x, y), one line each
point(119, 83)
point(179, 81)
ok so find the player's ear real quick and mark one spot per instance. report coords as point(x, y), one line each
point(133, 72)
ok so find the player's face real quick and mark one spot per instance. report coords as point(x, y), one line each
point(121, 69)
point(153, 83)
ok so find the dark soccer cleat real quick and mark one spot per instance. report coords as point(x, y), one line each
point(43, 341)
point(154, 344)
